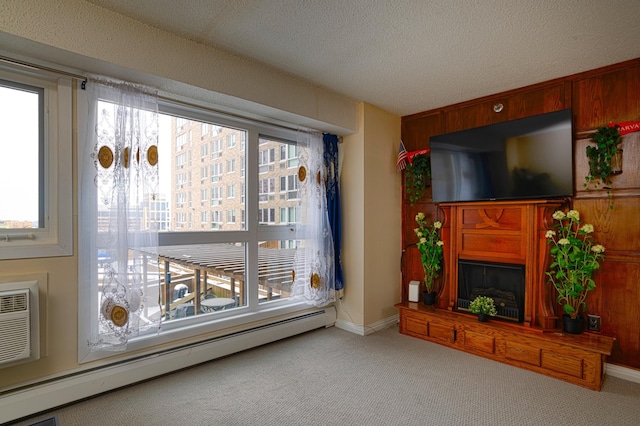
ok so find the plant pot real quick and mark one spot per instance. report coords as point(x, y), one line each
point(616, 163)
point(429, 298)
point(572, 326)
point(483, 317)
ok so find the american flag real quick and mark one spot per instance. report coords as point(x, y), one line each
point(402, 157)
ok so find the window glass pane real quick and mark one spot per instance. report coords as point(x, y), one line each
point(201, 279)
point(208, 153)
point(21, 148)
point(275, 270)
point(278, 195)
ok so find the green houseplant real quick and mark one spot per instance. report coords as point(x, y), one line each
point(430, 246)
point(575, 257)
point(603, 157)
point(483, 306)
point(417, 174)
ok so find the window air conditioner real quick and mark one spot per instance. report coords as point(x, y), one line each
point(19, 324)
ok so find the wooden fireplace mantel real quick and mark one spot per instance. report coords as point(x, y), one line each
point(504, 232)
point(512, 233)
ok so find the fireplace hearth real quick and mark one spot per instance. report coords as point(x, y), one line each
point(504, 283)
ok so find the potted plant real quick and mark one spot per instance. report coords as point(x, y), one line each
point(604, 157)
point(417, 174)
point(575, 257)
point(430, 246)
point(484, 307)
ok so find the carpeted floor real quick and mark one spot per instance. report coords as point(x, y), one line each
point(333, 377)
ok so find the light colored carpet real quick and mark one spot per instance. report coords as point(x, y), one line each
point(333, 377)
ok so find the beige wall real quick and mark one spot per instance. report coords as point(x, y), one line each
point(58, 280)
point(78, 36)
point(371, 194)
point(351, 309)
point(382, 214)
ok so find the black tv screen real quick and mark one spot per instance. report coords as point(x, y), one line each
point(520, 159)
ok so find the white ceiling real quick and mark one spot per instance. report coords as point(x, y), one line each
point(407, 56)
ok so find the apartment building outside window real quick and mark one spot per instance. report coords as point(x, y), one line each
point(266, 190)
point(266, 159)
point(216, 149)
point(216, 172)
point(231, 140)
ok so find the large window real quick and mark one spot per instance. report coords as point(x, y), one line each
point(227, 244)
point(228, 262)
point(210, 260)
point(35, 165)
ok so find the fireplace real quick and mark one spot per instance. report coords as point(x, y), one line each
point(504, 283)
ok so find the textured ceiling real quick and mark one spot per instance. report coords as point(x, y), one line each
point(412, 55)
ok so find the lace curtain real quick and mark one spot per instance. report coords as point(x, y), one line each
point(118, 186)
point(314, 277)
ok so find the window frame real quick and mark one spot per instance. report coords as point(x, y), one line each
point(55, 238)
point(251, 234)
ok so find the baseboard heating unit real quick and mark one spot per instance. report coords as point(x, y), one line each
point(26, 401)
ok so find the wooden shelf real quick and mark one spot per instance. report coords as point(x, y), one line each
point(577, 359)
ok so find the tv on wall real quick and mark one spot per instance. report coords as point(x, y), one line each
point(519, 159)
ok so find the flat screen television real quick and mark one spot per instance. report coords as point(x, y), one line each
point(519, 159)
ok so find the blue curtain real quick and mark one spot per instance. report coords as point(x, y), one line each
point(333, 201)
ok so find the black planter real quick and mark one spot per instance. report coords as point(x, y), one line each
point(429, 298)
point(572, 326)
point(483, 317)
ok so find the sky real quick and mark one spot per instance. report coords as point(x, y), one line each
point(18, 155)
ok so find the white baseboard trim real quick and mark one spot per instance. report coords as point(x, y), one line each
point(364, 330)
point(30, 400)
point(624, 373)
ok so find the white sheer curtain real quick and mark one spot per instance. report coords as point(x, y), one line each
point(118, 187)
point(314, 279)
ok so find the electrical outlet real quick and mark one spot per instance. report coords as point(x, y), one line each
point(594, 323)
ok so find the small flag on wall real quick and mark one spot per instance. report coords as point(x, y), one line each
point(402, 157)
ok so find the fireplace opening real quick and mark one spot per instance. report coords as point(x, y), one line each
point(504, 283)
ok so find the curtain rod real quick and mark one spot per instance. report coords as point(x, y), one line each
point(41, 68)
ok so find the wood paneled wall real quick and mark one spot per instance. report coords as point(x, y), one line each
point(596, 97)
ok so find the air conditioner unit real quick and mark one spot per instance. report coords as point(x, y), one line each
point(19, 324)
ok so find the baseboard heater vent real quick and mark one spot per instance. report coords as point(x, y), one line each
point(19, 336)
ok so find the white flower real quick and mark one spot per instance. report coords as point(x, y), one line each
point(587, 228)
point(423, 240)
point(420, 216)
point(563, 241)
point(437, 224)
point(574, 215)
point(440, 243)
point(597, 248)
point(550, 234)
point(559, 215)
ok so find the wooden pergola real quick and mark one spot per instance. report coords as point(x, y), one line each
point(275, 268)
